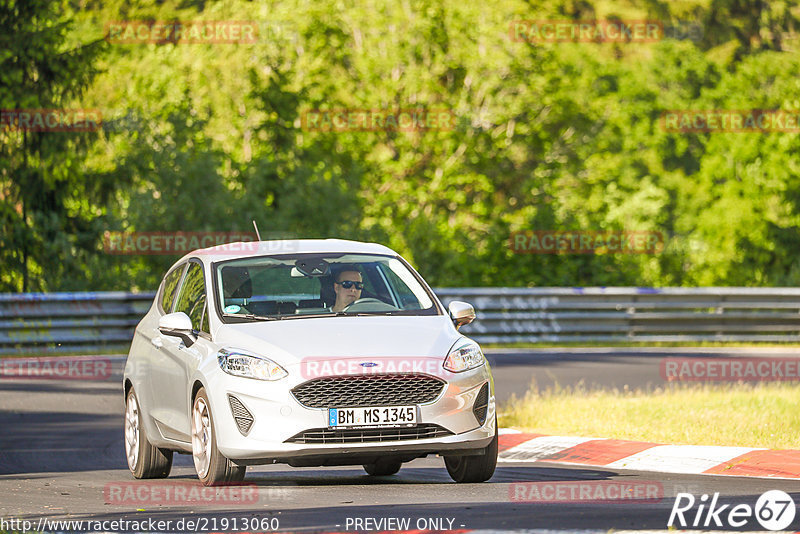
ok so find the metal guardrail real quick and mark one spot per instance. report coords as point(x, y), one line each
point(624, 314)
point(64, 322)
point(60, 322)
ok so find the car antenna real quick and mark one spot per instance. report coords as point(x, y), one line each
point(258, 236)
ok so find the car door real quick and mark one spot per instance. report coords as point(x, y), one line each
point(177, 362)
point(148, 342)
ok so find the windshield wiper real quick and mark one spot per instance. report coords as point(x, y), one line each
point(332, 314)
point(314, 315)
point(252, 316)
point(255, 317)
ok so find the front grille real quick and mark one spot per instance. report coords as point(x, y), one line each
point(369, 435)
point(369, 390)
point(481, 404)
point(242, 416)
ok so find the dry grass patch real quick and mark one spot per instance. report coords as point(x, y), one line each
point(762, 415)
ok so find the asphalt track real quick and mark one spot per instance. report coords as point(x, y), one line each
point(61, 451)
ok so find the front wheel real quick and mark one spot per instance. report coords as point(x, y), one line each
point(211, 466)
point(144, 460)
point(474, 468)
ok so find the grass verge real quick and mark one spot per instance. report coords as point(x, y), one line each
point(762, 415)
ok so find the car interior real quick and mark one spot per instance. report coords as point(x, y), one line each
point(276, 290)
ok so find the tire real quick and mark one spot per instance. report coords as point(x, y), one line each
point(474, 468)
point(144, 460)
point(383, 468)
point(211, 466)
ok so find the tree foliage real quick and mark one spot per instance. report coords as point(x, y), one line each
point(48, 199)
point(547, 136)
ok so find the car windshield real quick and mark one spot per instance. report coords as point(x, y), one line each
point(314, 285)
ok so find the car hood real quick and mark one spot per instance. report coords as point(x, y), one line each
point(292, 341)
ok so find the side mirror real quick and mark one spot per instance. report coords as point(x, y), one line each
point(179, 325)
point(461, 312)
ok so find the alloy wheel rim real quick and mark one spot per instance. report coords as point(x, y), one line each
point(132, 432)
point(201, 436)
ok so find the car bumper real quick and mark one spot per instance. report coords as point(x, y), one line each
point(278, 417)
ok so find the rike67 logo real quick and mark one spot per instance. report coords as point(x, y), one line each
point(774, 510)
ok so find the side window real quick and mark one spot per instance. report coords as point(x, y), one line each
point(170, 287)
point(192, 297)
point(204, 324)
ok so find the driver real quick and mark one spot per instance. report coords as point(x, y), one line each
point(347, 286)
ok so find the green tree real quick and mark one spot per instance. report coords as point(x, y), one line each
point(547, 136)
point(49, 204)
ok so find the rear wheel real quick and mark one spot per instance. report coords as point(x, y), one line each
point(144, 460)
point(474, 468)
point(383, 468)
point(211, 466)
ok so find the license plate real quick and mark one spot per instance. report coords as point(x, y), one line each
point(372, 416)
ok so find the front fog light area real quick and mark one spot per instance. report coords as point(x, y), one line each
point(244, 419)
point(467, 355)
point(481, 406)
point(239, 363)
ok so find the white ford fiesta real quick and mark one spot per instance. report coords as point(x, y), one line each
point(310, 353)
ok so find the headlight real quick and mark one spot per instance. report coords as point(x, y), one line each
point(249, 366)
point(466, 355)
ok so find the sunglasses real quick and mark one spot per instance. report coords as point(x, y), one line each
point(347, 284)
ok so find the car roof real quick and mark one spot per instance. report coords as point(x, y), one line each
point(244, 249)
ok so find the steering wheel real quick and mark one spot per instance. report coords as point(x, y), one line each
point(372, 304)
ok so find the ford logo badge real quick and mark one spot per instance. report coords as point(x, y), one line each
point(369, 364)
